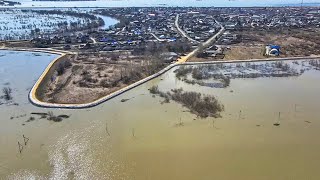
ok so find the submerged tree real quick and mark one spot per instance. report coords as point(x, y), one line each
point(7, 93)
point(200, 104)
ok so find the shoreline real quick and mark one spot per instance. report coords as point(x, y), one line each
point(33, 92)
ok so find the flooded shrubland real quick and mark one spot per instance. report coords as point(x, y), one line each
point(315, 64)
point(221, 74)
point(201, 105)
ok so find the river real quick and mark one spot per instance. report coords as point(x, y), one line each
point(108, 21)
point(139, 139)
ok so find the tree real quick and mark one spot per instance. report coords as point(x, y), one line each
point(60, 69)
point(7, 93)
point(37, 30)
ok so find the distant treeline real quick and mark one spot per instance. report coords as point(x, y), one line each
point(68, 13)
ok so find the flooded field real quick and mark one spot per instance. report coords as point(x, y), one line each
point(268, 130)
point(18, 24)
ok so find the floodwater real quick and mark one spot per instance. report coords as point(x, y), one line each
point(139, 139)
point(15, 24)
point(108, 21)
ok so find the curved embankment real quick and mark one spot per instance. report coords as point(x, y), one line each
point(36, 90)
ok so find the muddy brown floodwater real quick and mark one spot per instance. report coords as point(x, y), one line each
point(139, 139)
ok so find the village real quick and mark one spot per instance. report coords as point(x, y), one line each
point(176, 31)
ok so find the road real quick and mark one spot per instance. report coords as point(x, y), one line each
point(158, 39)
point(93, 40)
point(204, 45)
point(182, 32)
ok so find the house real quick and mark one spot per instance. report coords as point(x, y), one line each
point(67, 47)
point(272, 50)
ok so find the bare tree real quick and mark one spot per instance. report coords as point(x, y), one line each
point(7, 93)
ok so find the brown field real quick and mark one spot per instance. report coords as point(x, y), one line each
point(88, 77)
point(296, 42)
point(293, 42)
point(243, 51)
